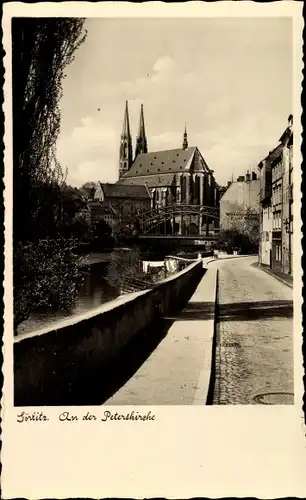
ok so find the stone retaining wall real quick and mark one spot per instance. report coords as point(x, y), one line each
point(52, 365)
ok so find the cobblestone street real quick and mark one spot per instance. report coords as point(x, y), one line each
point(254, 353)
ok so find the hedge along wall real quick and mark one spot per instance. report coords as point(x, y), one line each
point(53, 365)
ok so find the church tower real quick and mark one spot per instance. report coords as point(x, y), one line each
point(126, 150)
point(141, 141)
point(185, 141)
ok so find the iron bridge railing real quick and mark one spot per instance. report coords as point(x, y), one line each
point(152, 218)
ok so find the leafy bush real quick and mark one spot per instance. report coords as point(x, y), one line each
point(125, 270)
point(47, 275)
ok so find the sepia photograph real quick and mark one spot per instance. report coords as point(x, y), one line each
point(152, 285)
point(153, 211)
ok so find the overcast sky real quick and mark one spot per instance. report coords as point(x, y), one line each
point(229, 79)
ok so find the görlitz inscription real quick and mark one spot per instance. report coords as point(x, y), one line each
point(36, 416)
point(66, 416)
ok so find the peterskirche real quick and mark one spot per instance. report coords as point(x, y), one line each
point(174, 176)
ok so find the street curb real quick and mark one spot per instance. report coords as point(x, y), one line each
point(212, 378)
point(205, 384)
point(273, 275)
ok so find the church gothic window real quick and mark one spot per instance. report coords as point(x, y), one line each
point(183, 188)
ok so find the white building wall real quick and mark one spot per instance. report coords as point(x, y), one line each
point(238, 198)
point(99, 193)
point(266, 236)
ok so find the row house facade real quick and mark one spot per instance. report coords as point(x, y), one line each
point(239, 201)
point(276, 200)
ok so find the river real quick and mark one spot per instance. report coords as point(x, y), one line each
point(102, 284)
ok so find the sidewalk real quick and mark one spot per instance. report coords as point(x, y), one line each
point(286, 279)
point(178, 371)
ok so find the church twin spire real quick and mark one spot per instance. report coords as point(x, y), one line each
point(141, 141)
point(126, 149)
point(126, 132)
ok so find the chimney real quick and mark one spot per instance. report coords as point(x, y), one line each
point(248, 176)
point(254, 176)
point(290, 120)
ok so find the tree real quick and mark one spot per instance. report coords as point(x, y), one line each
point(242, 233)
point(126, 230)
point(88, 190)
point(45, 270)
point(80, 227)
point(72, 201)
point(41, 49)
point(102, 230)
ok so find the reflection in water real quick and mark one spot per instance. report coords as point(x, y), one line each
point(104, 282)
point(95, 291)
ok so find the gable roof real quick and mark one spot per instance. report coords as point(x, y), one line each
point(161, 162)
point(150, 181)
point(120, 190)
point(273, 155)
point(286, 136)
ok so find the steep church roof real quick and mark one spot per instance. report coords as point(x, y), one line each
point(161, 162)
point(159, 168)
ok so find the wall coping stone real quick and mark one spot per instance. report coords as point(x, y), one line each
point(106, 307)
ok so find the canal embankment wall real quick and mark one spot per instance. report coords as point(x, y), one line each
point(52, 365)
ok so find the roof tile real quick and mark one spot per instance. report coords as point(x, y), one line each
point(120, 190)
point(174, 160)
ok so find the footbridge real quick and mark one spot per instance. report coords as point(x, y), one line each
point(185, 222)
